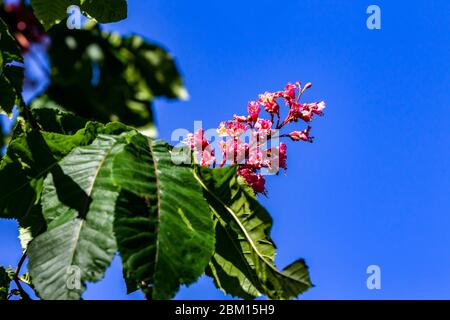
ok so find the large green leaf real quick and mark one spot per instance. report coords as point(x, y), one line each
point(152, 67)
point(50, 12)
point(243, 263)
point(11, 72)
point(163, 226)
point(29, 158)
point(78, 203)
point(110, 78)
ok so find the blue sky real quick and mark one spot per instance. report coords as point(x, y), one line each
point(374, 186)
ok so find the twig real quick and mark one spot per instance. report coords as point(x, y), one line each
point(17, 280)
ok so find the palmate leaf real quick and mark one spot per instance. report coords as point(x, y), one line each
point(11, 70)
point(51, 12)
point(78, 203)
point(243, 262)
point(163, 226)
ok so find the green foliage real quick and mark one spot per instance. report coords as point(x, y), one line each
point(9, 49)
point(243, 264)
point(84, 186)
point(83, 199)
point(55, 120)
point(110, 78)
point(11, 75)
point(51, 12)
point(163, 224)
point(32, 155)
point(105, 11)
point(78, 201)
point(5, 280)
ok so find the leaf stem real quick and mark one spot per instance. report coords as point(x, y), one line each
point(17, 280)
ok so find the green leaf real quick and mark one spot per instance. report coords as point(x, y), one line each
point(105, 10)
point(93, 85)
point(110, 78)
point(51, 12)
point(243, 263)
point(152, 66)
point(11, 70)
point(54, 120)
point(7, 96)
point(10, 51)
point(163, 226)
point(78, 201)
point(5, 281)
point(29, 158)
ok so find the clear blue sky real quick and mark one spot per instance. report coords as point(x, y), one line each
point(374, 188)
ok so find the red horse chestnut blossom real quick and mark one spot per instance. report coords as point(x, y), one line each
point(251, 141)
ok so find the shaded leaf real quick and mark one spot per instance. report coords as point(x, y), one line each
point(29, 158)
point(10, 51)
point(54, 120)
point(5, 280)
point(243, 263)
point(110, 78)
point(7, 96)
point(154, 65)
point(51, 12)
point(163, 226)
point(78, 200)
point(11, 70)
point(105, 10)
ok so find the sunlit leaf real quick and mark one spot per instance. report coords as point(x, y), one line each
point(163, 226)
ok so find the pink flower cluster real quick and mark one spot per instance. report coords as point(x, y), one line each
point(255, 154)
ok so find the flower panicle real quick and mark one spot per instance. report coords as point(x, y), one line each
point(247, 137)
